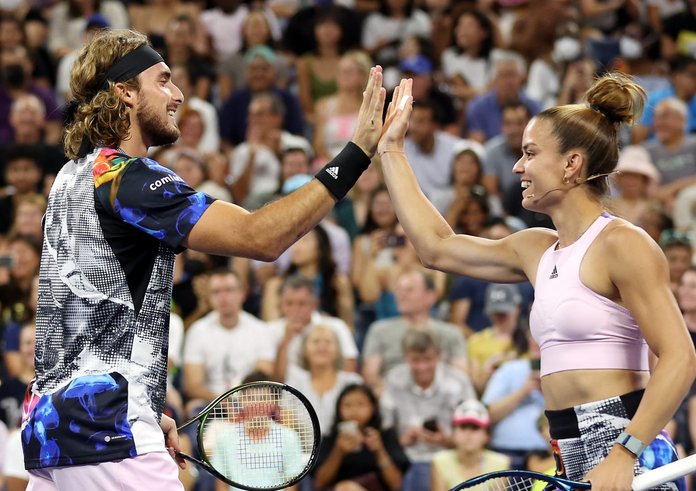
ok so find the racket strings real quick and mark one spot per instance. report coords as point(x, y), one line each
point(260, 437)
point(513, 483)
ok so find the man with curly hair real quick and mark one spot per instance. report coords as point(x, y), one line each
point(115, 220)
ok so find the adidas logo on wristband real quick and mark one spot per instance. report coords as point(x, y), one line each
point(333, 172)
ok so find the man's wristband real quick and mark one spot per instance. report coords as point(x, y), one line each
point(343, 171)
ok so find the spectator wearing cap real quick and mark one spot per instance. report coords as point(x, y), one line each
point(484, 114)
point(260, 64)
point(635, 183)
point(503, 340)
point(255, 163)
point(673, 151)
point(419, 399)
point(420, 69)
point(683, 87)
point(515, 402)
point(430, 150)
point(69, 19)
point(469, 457)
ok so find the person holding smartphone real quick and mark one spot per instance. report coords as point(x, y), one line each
point(357, 450)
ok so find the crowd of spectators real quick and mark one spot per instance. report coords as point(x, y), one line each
point(420, 379)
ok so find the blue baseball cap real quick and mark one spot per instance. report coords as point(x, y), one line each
point(418, 65)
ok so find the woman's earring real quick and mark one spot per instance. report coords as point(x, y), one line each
point(566, 180)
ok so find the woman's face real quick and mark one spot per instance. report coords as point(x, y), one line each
point(191, 128)
point(190, 171)
point(469, 33)
point(28, 219)
point(369, 180)
point(469, 438)
point(256, 30)
point(25, 260)
point(679, 259)
point(382, 210)
point(687, 292)
point(540, 168)
point(349, 75)
point(356, 406)
point(466, 170)
point(305, 251)
point(328, 33)
point(632, 185)
point(27, 339)
point(321, 347)
point(473, 218)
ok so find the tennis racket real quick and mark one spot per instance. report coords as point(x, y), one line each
point(258, 436)
point(535, 481)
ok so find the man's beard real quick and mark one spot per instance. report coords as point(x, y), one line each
point(155, 131)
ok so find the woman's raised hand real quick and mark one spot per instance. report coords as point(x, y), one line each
point(396, 122)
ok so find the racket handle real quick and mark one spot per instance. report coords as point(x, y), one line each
point(664, 474)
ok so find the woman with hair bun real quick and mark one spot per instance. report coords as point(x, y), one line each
point(602, 296)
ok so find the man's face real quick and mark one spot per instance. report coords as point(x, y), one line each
point(669, 123)
point(226, 294)
point(514, 122)
point(261, 115)
point(158, 100)
point(412, 295)
point(297, 305)
point(508, 80)
point(23, 174)
point(260, 75)
point(422, 125)
point(423, 365)
point(27, 115)
point(685, 80)
point(295, 163)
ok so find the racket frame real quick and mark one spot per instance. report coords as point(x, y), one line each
point(648, 480)
point(202, 416)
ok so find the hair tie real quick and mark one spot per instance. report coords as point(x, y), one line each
point(611, 118)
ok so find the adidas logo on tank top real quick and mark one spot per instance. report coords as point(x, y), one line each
point(554, 273)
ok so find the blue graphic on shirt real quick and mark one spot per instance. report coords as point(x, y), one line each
point(85, 407)
point(150, 197)
point(84, 389)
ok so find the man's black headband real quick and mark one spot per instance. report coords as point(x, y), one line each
point(132, 64)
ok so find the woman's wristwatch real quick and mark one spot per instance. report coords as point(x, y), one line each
point(631, 443)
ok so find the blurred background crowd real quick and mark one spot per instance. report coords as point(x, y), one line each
point(436, 374)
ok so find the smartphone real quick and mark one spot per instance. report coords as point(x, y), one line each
point(535, 363)
point(395, 240)
point(348, 426)
point(431, 424)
